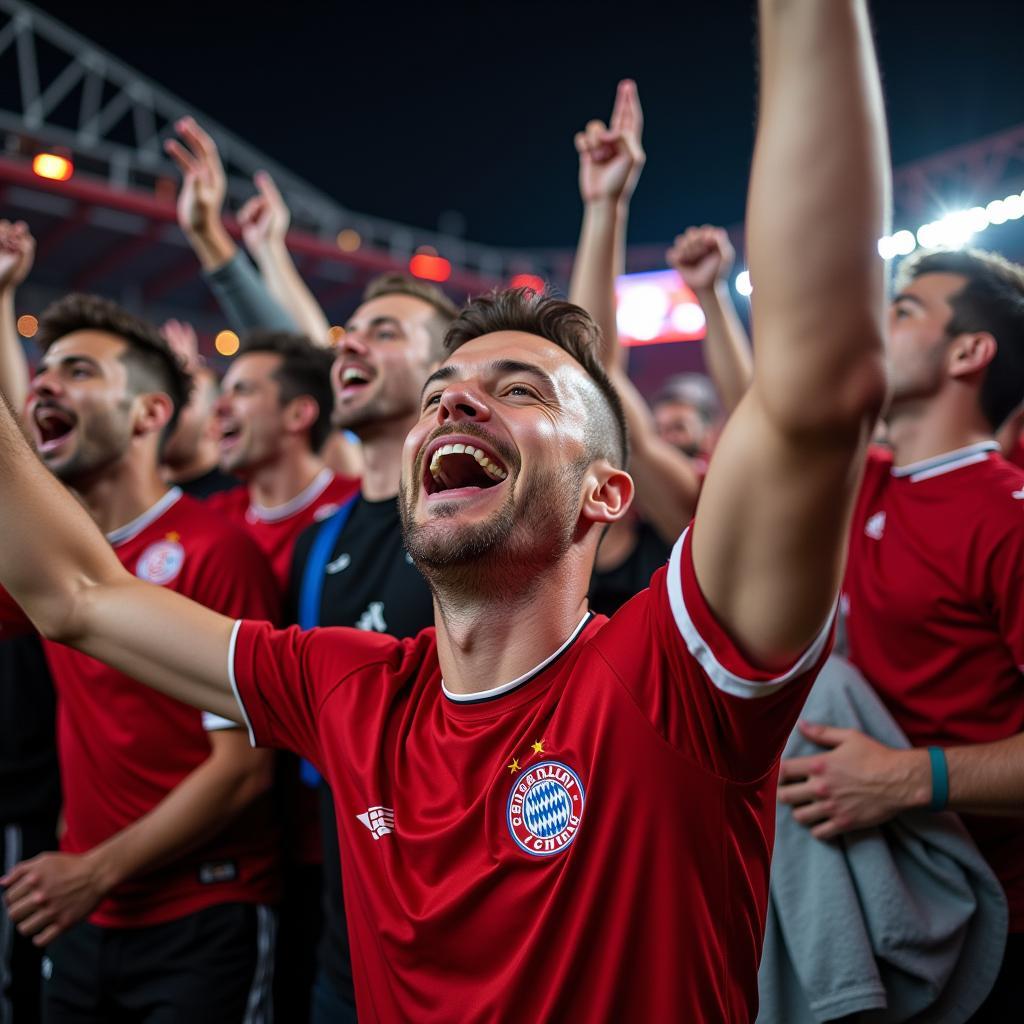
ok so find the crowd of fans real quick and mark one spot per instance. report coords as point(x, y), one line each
point(158, 866)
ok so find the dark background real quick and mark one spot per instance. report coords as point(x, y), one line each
point(406, 111)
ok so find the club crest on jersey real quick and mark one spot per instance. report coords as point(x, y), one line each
point(325, 512)
point(160, 562)
point(544, 808)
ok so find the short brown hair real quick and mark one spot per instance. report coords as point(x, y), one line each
point(305, 370)
point(445, 311)
point(992, 301)
point(149, 360)
point(566, 325)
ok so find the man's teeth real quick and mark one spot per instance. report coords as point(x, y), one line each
point(352, 374)
point(494, 471)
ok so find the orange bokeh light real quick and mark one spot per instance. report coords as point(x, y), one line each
point(27, 325)
point(430, 268)
point(226, 343)
point(53, 167)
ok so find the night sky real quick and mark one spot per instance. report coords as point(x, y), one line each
point(407, 111)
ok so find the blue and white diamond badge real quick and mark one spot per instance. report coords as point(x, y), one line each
point(545, 808)
point(160, 562)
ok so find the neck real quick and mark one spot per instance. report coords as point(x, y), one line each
point(382, 460)
point(281, 480)
point(500, 635)
point(206, 458)
point(122, 492)
point(923, 430)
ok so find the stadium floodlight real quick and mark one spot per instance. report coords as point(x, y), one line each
point(642, 311)
point(742, 283)
point(688, 318)
point(1013, 207)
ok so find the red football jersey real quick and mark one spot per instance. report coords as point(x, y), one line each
point(275, 530)
point(590, 841)
point(935, 612)
point(123, 747)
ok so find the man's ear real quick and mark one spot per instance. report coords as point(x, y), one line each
point(608, 493)
point(153, 411)
point(971, 353)
point(300, 414)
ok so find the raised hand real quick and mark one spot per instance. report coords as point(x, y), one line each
point(17, 251)
point(265, 217)
point(703, 256)
point(203, 185)
point(184, 343)
point(612, 156)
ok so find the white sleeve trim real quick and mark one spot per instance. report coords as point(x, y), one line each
point(725, 680)
point(234, 681)
point(215, 723)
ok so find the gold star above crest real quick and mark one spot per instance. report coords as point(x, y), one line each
point(173, 536)
point(514, 766)
point(538, 747)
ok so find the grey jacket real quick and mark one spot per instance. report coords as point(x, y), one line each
point(903, 922)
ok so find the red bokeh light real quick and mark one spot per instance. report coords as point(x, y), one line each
point(53, 166)
point(531, 281)
point(430, 268)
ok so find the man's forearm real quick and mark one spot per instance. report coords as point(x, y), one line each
point(14, 374)
point(212, 245)
point(820, 294)
point(199, 807)
point(289, 289)
point(593, 275)
point(244, 297)
point(726, 346)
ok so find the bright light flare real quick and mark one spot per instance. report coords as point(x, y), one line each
point(226, 343)
point(742, 283)
point(52, 166)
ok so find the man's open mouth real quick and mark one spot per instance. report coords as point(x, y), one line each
point(53, 426)
point(454, 466)
point(354, 378)
point(229, 434)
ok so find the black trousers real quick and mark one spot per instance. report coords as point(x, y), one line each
point(211, 967)
point(19, 960)
point(1005, 1002)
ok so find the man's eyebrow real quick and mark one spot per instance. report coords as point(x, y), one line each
point(377, 321)
point(68, 360)
point(499, 367)
point(907, 297)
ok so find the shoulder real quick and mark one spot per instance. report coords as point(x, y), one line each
point(336, 493)
point(234, 499)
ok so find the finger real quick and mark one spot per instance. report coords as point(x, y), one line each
point(190, 130)
point(619, 111)
point(18, 880)
point(181, 156)
point(19, 910)
point(47, 935)
point(831, 829)
point(36, 923)
point(812, 814)
point(250, 211)
point(797, 793)
point(824, 735)
point(268, 188)
point(800, 767)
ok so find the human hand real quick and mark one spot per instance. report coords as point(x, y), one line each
point(203, 184)
point(48, 894)
point(612, 157)
point(858, 783)
point(17, 252)
point(265, 217)
point(703, 256)
point(184, 344)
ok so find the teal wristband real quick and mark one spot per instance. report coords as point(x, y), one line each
point(940, 779)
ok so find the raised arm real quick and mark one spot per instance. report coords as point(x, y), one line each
point(703, 258)
point(264, 220)
point(58, 566)
point(611, 159)
point(770, 532)
point(240, 292)
point(17, 251)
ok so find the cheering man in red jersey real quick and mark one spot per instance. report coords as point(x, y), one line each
point(158, 902)
point(543, 814)
point(935, 612)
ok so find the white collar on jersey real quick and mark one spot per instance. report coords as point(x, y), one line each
point(307, 495)
point(947, 462)
point(498, 691)
point(139, 523)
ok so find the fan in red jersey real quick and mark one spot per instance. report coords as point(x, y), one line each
point(544, 815)
point(169, 849)
point(935, 611)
